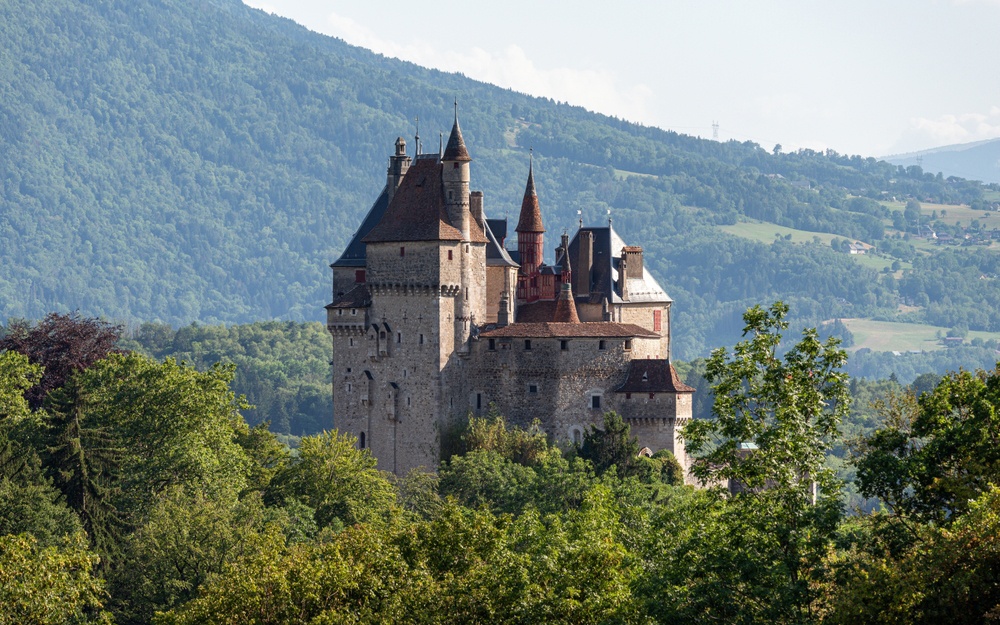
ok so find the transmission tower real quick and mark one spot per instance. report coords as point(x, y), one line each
point(715, 131)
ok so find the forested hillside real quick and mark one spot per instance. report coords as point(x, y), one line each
point(197, 160)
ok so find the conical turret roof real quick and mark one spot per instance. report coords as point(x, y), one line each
point(565, 306)
point(531, 214)
point(456, 150)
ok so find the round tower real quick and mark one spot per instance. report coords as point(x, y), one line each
point(455, 180)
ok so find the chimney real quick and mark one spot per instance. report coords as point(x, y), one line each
point(584, 263)
point(503, 315)
point(476, 208)
point(399, 163)
point(623, 275)
point(633, 256)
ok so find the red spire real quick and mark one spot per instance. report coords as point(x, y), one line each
point(565, 306)
point(531, 214)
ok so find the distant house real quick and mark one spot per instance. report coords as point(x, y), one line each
point(859, 248)
point(952, 341)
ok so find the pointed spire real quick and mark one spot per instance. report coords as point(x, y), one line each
point(531, 214)
point(456, 150)
point(565, 306)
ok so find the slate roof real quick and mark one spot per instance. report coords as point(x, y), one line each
point(596, 329)
point(653, 376)
point(604, 272)
point(531, 215)
point(354, 255)
point(499, 229)
point(358, 297)
point(496, 255)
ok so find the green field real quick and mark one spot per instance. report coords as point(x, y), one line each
point(622, 174)
point(882, 336)
point(952, 213)
point(765, 233)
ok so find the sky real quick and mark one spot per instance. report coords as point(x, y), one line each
point(869, 77)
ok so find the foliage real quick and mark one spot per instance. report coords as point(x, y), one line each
point(611, 446)
point(51, 585)
point(337, 480)
point(61, 345)
point(775, 420)
point(935, 455)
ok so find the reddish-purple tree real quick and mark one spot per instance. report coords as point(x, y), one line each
point(61, 344)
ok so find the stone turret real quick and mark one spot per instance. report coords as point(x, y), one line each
point(455, 180)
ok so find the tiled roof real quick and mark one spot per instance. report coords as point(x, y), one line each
point(597, 329)
point(565, 306)
point(531, 214)
point(417, 211)
point(456, 151)
point(653, 376)
point(536, 312)
point(358, 297)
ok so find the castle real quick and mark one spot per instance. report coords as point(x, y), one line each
point(433, 318)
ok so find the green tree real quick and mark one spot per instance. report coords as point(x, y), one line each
point(776, 418)
point(338, 480)
point(51, 585)
point(611, 446)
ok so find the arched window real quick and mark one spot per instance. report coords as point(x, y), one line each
point(361, 441)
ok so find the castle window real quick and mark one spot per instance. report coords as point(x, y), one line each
point(350, 387)
point(657, 320)
point(628, 395)
point(340, 312)
point(479, 401)
point(576, 435)
point(348, 369)
point(354, 311)
point(421, 339)
point(628, 344)
point(652, 395)
point(600, 344)
point(595, 401)
point(449, 254)
point(564, 345)
point(381, 335)
point(402, 251)
point(532, 388)
point(361, 440)
point(493, 345)
point(359, 275)
point(399, 338)
point(455, 165)
point(527, 345)
point(407, 402)
point(351, 341)
point(450, 194)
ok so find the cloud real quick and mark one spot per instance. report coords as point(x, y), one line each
point(950, 129)
point(512, 68)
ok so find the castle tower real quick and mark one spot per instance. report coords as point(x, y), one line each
point(530, 234)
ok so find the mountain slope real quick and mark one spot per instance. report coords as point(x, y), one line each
point(976, 161)
point(179, 160)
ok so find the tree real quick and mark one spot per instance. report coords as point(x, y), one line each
point(776, 418)
point(49, 585)
point(912, 212)
point(61, 344)
point(338, 480)
point(611, 446)
point(934, 455)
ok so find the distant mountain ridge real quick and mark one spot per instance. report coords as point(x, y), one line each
point(978, 160)
point(199, 160)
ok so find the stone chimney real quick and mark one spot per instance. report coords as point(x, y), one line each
point(633, 256)
point(398, 165)
point(584, 263)
point(476, 207)
point(503, 315)
point(623, 276)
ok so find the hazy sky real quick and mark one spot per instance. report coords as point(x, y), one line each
point(871, 77)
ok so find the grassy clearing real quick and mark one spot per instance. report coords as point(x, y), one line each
point(621, 174)
point(765, 233)
point(952, 213)
point(883, 336)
